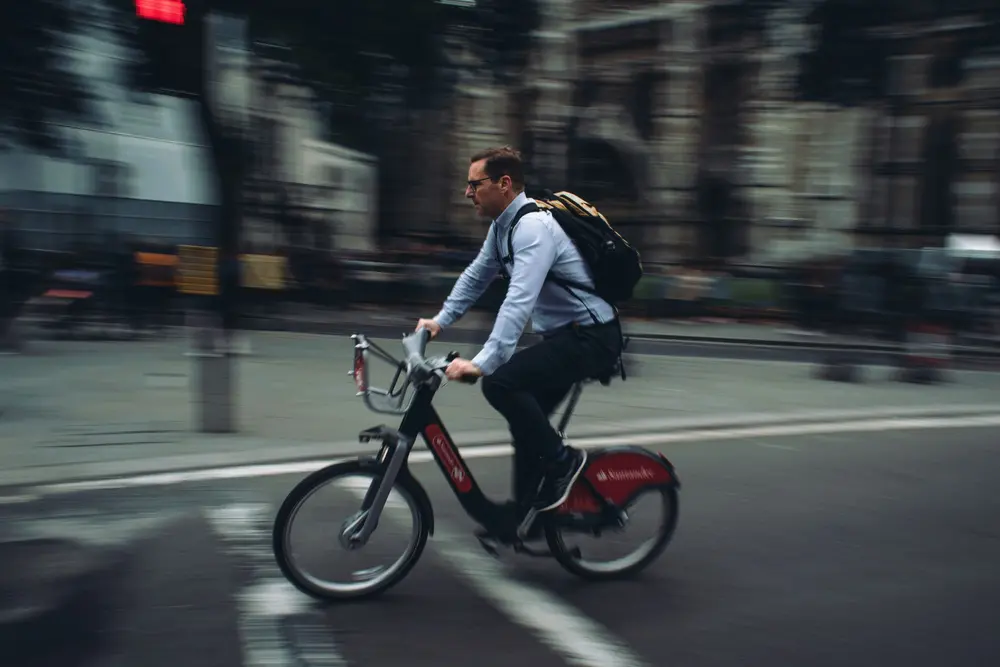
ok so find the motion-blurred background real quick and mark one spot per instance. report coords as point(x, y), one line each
point(773, 160)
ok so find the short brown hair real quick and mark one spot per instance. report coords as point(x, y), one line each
point(502, 161)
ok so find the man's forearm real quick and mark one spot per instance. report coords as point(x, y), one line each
point(467, 290)
point(474, 280)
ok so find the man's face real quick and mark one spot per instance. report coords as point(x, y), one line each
point(488, 197)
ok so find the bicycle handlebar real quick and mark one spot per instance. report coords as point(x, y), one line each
point(416, 367)
point(415, 346)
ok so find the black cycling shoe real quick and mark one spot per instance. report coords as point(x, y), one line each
point(559, 479)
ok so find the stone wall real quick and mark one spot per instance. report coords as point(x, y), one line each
point(812, 179)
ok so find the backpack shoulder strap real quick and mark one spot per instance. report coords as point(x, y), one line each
point(530, 207)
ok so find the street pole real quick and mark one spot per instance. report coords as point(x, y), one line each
point(184, 49)
point(215, 367)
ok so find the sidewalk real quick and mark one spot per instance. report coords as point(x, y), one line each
point(378, 321)
point(476, 325)
point(71, 404)
point(476, 320)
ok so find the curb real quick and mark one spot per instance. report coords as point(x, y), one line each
point(79, 477)
point(60, 616)
point(477, 335)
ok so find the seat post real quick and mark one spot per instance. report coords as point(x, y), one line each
point(574, 396)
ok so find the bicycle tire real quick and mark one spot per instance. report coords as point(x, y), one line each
point(285, 517)
point(565, 557)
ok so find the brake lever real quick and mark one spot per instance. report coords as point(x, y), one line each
point(469, 379)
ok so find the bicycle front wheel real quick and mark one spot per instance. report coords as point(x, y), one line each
point(312, 528)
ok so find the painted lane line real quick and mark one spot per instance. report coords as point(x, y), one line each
point(578, 639)
point(260, 634)
point(277, 625)
point(101, 531)
point(494, 451)
point(777, 431)
point(257, 452)
point(573, 636)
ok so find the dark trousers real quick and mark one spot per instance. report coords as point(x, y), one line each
point(528, 388)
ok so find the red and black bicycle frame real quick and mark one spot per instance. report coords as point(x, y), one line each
point(609, 482)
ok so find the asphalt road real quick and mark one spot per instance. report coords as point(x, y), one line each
point(862, 549)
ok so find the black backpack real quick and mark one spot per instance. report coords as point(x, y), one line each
point(614, 265)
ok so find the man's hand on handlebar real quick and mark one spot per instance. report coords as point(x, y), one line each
point(462, 370)
point(430, 325)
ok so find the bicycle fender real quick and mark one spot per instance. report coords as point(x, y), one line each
point(618, 474)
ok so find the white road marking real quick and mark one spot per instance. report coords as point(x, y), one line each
point(269, 603)
point(768, 445)
point(570, 634)
point(18, 499)
point(95, 530)
point(494, 451)
point(258, 453)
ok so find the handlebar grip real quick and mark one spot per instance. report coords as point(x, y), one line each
point(424, 336)
point(415, 345)
point(469, 379)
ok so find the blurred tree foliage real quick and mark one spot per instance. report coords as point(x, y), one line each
point(350, 52)
point(38, 90)
point(358, 56)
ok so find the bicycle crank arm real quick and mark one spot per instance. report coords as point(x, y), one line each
point(526, 524)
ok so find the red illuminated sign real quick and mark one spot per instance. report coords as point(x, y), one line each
point(167, 11)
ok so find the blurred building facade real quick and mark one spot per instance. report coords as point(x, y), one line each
point(682, 126)
point(300, 190)
point(138, 168)
point(677, 120)
point(141, 167)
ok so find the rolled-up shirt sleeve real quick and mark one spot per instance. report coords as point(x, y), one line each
point(534, 254)
point(471, 284)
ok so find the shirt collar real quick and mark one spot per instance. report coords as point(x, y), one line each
point(504, 219)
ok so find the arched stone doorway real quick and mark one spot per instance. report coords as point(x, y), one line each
point(601, 172)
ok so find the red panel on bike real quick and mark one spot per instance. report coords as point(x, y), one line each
point(580, 501)
point(359, 370)
point(449, 457)
point(617, 476)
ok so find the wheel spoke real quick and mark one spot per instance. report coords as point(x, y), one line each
point(564, 540)
point(301, 528)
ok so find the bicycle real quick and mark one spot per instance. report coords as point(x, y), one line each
point(614, 477)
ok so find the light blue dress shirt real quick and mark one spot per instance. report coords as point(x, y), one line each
point(540, 246)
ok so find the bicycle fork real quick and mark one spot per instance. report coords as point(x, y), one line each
point(396, 448)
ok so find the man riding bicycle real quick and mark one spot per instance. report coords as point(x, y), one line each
point(581, 337)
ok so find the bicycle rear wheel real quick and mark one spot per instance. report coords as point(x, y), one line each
point(574, 558)
point(328, 532)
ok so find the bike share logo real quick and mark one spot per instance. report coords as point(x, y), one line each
point(446, 454)
point(633, 475)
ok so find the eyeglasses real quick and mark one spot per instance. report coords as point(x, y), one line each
point(474, 185)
